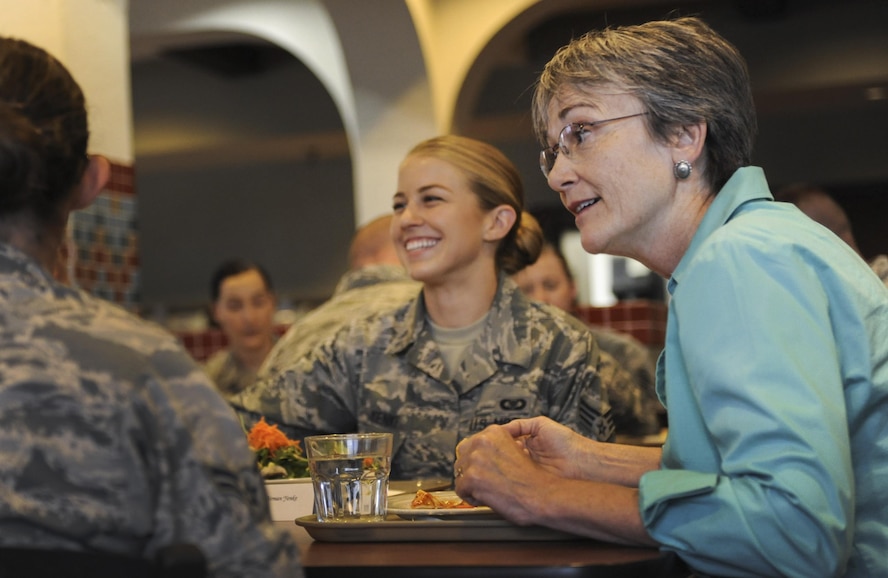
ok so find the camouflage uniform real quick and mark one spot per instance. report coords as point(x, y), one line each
point(636, 407)
point(229, 375)
point(385, 373)
point(358, 293)
point(112, 439)
point(373, 275)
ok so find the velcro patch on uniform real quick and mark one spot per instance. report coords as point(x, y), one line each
point(513, 404)
point(599, 425)
point(479, 422)
point(388, 420)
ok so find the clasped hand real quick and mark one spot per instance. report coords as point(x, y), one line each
point(505, 466)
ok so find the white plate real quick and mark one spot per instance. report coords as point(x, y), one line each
point(400, 506)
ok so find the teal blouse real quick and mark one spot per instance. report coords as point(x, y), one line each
point(775, 377)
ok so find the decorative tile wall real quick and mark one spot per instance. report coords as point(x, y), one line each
point(106, 238)
point(643, 319)
point(202, 344)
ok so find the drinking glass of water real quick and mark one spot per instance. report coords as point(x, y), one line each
point(350, 474)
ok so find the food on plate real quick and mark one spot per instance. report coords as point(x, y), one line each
point(428, 500)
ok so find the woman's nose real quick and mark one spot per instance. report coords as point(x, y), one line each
point(562, 174)
point(410, 215)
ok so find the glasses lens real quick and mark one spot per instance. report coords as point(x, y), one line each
point(547, 161)
point(569, 138)
point(566, 139)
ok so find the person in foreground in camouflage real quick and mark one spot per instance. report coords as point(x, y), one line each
point(111, 439)
point(471, 350)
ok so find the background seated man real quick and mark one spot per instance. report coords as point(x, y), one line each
point(818, 204)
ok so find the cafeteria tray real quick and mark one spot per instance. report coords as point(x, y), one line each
point(396, 529)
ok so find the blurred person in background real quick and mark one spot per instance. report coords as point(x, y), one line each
point(112, 439)
point(818, 204)
point(372, 245)
point(549, 280)
point(775, 367)
point(243, 307)
point(375, 281)
point(468, 350)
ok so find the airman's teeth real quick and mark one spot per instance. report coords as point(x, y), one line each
point(420, 244)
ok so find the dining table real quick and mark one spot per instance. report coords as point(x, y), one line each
point(472, 546)
point(564, 558)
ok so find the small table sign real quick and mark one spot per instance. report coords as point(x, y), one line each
point(290, 499)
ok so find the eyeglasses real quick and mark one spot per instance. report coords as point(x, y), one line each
point(571, 138)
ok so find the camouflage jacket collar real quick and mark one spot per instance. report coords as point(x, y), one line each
point(370, 275)
point(15, 263)
point(503, 341)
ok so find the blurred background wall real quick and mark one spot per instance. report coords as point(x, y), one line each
point(244, 142)
point(269, 129)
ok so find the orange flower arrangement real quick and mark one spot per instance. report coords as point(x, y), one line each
point(276, 454)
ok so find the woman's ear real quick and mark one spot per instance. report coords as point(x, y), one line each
point(95, 177)
point(499, 222)
point(689, 142)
